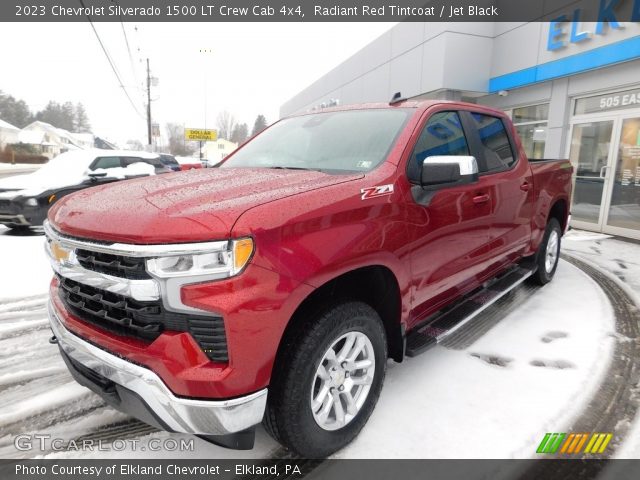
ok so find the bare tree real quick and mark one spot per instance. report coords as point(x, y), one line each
point(177, 143)
point(134, 144)
point(226, 123)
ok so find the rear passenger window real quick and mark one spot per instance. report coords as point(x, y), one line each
point(442, 135)
point(107, 162)
point(496, 147)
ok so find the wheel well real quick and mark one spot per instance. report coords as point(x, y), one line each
point(375, 285)
point(559, 212)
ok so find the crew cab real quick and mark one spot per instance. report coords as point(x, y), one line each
point(274, 289)
point(25, 199)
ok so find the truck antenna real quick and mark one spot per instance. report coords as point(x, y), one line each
point(397, 98)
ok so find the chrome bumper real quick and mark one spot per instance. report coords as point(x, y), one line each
point(201, 417)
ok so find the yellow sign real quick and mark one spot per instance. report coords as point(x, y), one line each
point(200, 135)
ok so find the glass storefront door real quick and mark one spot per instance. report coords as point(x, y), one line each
point(589, 155)
point(624, 205)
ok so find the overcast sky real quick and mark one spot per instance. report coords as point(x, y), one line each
point(253, 68)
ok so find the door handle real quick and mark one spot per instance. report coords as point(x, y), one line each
point(525, 187)
point(478, 199)
point(603, 170)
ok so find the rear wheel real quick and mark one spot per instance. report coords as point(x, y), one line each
point(329, 380)
point(548, 253)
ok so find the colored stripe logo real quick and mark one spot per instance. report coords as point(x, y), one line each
point(573, 443)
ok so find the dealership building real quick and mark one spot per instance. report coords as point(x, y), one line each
point(571, 88)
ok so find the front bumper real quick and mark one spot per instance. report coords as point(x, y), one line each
point(15, 213)
point(13, 219)
point(142, 394)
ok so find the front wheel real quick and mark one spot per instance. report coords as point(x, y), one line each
point(328, 380)
point(548, 253)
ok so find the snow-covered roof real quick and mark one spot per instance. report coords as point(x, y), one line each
point(7, 126)
point(32, 137)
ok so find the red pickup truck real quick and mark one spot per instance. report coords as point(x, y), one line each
point(275, 287)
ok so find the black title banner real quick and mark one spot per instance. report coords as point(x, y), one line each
point(605, 11)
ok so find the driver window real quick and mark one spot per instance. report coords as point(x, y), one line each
point(442, 135)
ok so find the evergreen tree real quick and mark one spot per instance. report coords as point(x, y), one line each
point(240, 133)
point(259, 125)
point(16, 112)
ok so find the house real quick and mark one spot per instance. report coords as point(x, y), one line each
point(216, 151)
point(8, 133)
point(52, 141)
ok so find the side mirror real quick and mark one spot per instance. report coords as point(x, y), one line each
point(448, 171)
point(96, 176)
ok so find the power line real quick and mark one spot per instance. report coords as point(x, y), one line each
point(113, 67)
point(131, 62)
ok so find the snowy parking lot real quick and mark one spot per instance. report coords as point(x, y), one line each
point(533, 363)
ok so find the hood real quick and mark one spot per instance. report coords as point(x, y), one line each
point(191, 206)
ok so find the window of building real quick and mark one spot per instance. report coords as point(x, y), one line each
point(442, 135)
point(531, 124)
point(497, 151)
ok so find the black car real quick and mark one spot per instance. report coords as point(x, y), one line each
point(25, 199)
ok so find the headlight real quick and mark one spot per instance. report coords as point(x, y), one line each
point(227, 261)
point(31, 202)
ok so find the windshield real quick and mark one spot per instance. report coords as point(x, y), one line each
point(345, 141)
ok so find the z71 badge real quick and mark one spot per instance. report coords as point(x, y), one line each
point(379, 191)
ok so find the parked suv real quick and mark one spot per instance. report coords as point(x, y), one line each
point(26, 199)
point(275, 287)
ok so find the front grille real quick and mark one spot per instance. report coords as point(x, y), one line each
point(5, 204)
point(142, 320)
point(132, 268)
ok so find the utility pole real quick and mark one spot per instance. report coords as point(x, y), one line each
point(149, 102)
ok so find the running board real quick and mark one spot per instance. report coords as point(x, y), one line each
point(444, 323)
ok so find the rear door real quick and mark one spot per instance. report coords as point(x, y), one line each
point(449, 227)
point(510, 183)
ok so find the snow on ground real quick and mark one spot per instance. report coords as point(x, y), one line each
point(24, 268)
point(530, 374)
point(9, 169)
point(621, 258)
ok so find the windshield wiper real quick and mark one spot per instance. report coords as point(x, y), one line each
point(296, 168)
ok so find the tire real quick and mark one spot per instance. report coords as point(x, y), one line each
point(298, 378)
point(548, 253)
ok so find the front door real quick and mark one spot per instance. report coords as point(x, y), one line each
point(605, 153)
point(590, 154)
point(448, 229)
point(623, 205)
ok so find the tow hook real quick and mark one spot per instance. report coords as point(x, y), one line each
point(53, 340)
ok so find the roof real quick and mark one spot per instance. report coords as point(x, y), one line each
point(7, 126)
point(31, 137)
point(60, 132)
point(409, 103)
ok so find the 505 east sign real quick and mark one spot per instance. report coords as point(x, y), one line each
point(609, 13)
